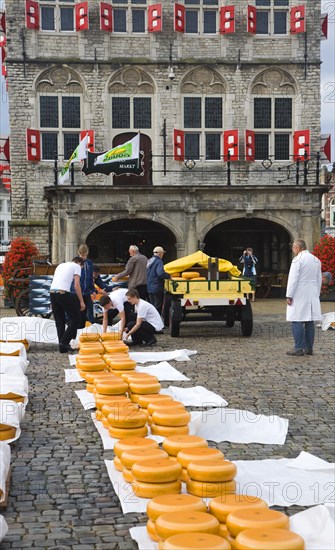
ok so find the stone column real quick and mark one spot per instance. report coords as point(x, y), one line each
point(311, 227)
point(191, 232)
point(71, 238)
point(55, 238)
point(180, 249)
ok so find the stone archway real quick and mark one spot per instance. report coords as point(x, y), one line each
point(109, 242)
point(269, 240)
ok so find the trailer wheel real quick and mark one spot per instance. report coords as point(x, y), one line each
point(175, 318)
point(22, 303)
point(166, 309)
point(230, 323)
point(246, 320)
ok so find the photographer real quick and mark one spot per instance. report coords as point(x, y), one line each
point(249, 262)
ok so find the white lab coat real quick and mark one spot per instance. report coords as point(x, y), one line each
point(304, 286)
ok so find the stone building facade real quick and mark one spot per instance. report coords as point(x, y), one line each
point(192, 77)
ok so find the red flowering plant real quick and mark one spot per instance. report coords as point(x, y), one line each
point(20, 256)
point(325, 251)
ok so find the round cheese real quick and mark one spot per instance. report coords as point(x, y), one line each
point(112, 387)
point(144, 400)
point(134, 375)
point(164, 405)
point(151, 490)
point(190, 274)
point(8, 433)
point(114, 347)
point(127, 475)
point(135, 455)
point(195, 541)
point(117, 464)
point(127, 419)
point(114, 356)
point(12, 397)
point(255, 518)
point(176, 443)
point(90, 377)
point(216, 470)
point(101, 400)
point(92, 367)
point(173, 523)
point(89, 337)
point(166, 431)
point(145, 388)
point(120, 433)
point(111, 336)
point(88, 357)
point(104, 422)
point(223, 530)
point(122, 364)
point(134, 378)
point(268, 539)
point(160, 470)
point(174, 503)
point(98, 415)
point(123, 407)
point(165, 417)
point(184, 475)
point(151, 530)
point(90, 388)
point(207, 489)
point(132, 443)
point(198, 453)
point(220, 507)
point(91, 349)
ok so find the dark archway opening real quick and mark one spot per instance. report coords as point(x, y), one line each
point(270, 241)
point(109, 242)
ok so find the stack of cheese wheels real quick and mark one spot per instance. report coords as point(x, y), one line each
point(191, 454)
point(254, 518)
point(130, 444)
point(116, 408)
point(90, 377)
point(194, 541)
point(88, 348)
point(170, 503)
point(7, 432)
point(156, 477)
point(268, 539)
point(211, 478)
point(143, 386)
point(161, 406)
point(109, 391)
point(126, 376)
point(145, 399)
point(221, 506)
point(174, 523)
point(111, 336)
point(89, 337)
point(127, 421)
point(166, 422)
point(132, 456)
point(90, 363)
point(119, 365)
point(175, 443)
point(117, 346)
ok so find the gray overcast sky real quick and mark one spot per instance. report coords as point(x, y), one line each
point(327, 81)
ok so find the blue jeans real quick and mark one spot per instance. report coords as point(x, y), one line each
point(303, 334)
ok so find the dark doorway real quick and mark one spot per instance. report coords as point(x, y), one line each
point(269, 240)
point(145, 147)
point(110, 241)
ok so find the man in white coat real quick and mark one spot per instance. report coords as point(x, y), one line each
point(303, 298)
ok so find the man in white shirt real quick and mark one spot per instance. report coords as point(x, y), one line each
point(114, 304)
point(148, 321)
point(66, 307)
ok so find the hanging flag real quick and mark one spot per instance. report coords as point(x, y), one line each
point(122, 159)
point(80, 153)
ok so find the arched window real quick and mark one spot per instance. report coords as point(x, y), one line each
point(59, 114)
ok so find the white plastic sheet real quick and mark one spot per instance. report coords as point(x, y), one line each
point(198, 396)
point(4, 468)
point(155, 356)
point(11, 348)
point(17, 384)
point(3, 528)
point(86, 398)
point(163, 371)
point(327, 319)
point(13, 365)
point(72, 375)
point(11, 413)
point(34, 329)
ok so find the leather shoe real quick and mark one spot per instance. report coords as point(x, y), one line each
point(131, 343)
point(65, 348)
point(295, 352)
point(151, 342)
point(308, 352)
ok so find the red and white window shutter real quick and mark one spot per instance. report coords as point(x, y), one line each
point(90, 134)
point(252, 17)
point(32, 15)
point(301, 144)
point(155, 20)
point(33, 145)
point(3, 41)
point(178, 144)
point(227, 19)
point(298, 19)
point(249, 146)
point(106, 17)
point(324, 26)
point(5, 150)
point(230, 145)
point(81, 16)
point(3, 22)
point(326, 148)
point(179, 18)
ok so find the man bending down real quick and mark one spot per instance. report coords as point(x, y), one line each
point(113, 304)
point(148, 321)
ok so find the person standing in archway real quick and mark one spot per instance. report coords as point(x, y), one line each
point(87, 285)
point(156, 276)
point(249, 261)
point(136, 271)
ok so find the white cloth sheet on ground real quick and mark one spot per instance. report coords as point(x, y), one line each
point(86, 398)
point(303, 481)
point(17, 384)
point(316, 526)
point(197, 396)
point(163, 371)
point(8, 349)
point(11, 413)
point(3, 528)
point(107, 441)
point(4, 468)
point(72, 375)
point(239, 426)
point(327, 319)
point(34, 329)
point(13, 365)
point(155, 356)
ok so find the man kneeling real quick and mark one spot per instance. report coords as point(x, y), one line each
point(148, 321)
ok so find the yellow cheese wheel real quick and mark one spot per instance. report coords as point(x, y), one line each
point(24, 342)
point(255, 518)
point(174, 503)
point(220, 507)
point(113, 356)
point(160, 470)
point(127, 475)
point(123, 406)
point(112, 387)
point(104, 422)
point(8, 433)
point(16, 398)
point(90, 377)
point(98, 415)
point(224, 530)
point(15, 353)
point(114, 347)
point(91, 349)
point(163, 405)
point(166, 431)
point(111, 336)
point(207, 489)
point(216, 470)
point(92, 367)
point(190, 274)
point(89, 337)
point(145, 388)
point(89, 357)
point(117, 464)
point(144, 400)
point(151, 530)
point(101, 400)
point(151, 490)
point(132, 443)
point(198, 453)
point(90, 388)
point(269, 539)
point(184, 475)
point(119, 373)
point(120, 433)
point(122, 364)
point(134, 375)
point(195, 541)
point(127, 419)
point(173, 523)
point(176, 443)
point(167, 417)
point(135, 455)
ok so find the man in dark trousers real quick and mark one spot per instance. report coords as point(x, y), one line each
point(155, 278)
point(66, 306)
point(136, 271)
point(147, 323)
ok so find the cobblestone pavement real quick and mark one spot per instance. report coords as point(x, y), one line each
point(60, 495)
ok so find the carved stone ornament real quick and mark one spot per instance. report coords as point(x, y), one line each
point(203, 81)
point(59, 79)
point(131, 81)
point(273, 82)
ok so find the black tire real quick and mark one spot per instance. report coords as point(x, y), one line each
point(246, 320)
point(166, 309)
point(175, 318)
point(22, 303)
point(230, 323)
